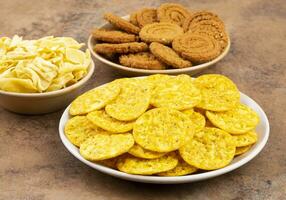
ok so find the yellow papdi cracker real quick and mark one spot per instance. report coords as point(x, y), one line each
point(140, 152)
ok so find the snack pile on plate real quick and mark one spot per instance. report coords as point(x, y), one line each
point(170, 36)
point(162, 125)
point(43, 65)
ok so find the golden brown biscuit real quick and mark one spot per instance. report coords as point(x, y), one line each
point(172, 12)
point(132, 47)
point(198, 48)
point(121, 23)
point(133, 18)
point(143, 60)
point(146, 16)
point(168, 56)
point(113, 36)
point(162, 32)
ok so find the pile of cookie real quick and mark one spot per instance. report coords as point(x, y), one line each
point(168, 37)
point(162, 125)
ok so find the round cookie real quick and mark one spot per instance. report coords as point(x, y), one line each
point(133, 165)
point(210, 149)
point(142, 60)
point(197, 48)
point(218, 92)
point(140, 152)
point(121, 23)
point(131, 47)
point(112, 36)
point(238, 120)
point(174, 13)
point(161, 129)
point(168, 56)
point(146, 16)
point(163, 32)
point(106, 146)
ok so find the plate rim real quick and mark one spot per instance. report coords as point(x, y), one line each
point(167, 180)
point(148, 71)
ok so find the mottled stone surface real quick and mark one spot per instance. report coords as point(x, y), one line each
point(34, 165)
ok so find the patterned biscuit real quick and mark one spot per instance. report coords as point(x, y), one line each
point(210, 149)
point(142, 60)
point(172, 12)
point(163, 32)
point(198, 48)
point(133, 165)
point(146, 16)
point(121, 23)
point(113, 36)
point(168, 56)
point(132, 47)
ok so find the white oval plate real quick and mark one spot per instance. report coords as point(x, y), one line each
point(139, 72)
point(262, 130)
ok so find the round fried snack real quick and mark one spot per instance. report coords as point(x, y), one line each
point(142, 60)
point(245, 139)
point(131, 47)
point(133, 165)
point(172, 12)
point(213, 29)
point(112, 36)
point(241, 150)
point(181, 169)
point(79, 128)
point(140, 152)
point(161, 129)
point(94, 99)
point(178, 93)
point(146, 16)
point(163, 32)
point(197, 119)
point(218, 92)
point(198, 48)
point(238, 120)
point(210, 149)
point(133, 100)
point(121, 23)
point(106, 146)
point(101, 119)
point(168, 56)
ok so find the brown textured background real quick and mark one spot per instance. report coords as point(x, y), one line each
point(34, 165)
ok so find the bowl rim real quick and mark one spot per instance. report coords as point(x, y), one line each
point(148, 71)
point(254, 151)
point(89, 74)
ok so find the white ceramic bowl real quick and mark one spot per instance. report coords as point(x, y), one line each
point(140, 72)
point(262, 131)
point(40, 103)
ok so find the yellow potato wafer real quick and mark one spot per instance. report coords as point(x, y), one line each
point(106, 146)
point(79, 128)
point(94, 99)
point(210, 149)
point(133, 165)
point(161, 129)
point(242, 150)
point(106, 122)
point(238, 120)
point(197, 119)
point(140, 152)
point(218, 92)
point(245, 139)
point(132, 101)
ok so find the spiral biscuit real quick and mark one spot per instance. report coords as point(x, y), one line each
point(174, 13)
point(168, 56)
point(113, 36)
point(121, 23)
point(132, 47)
point(162, 32)
point(198, 17)
point(146, 16)
point(143, 60)
point(198, 48)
